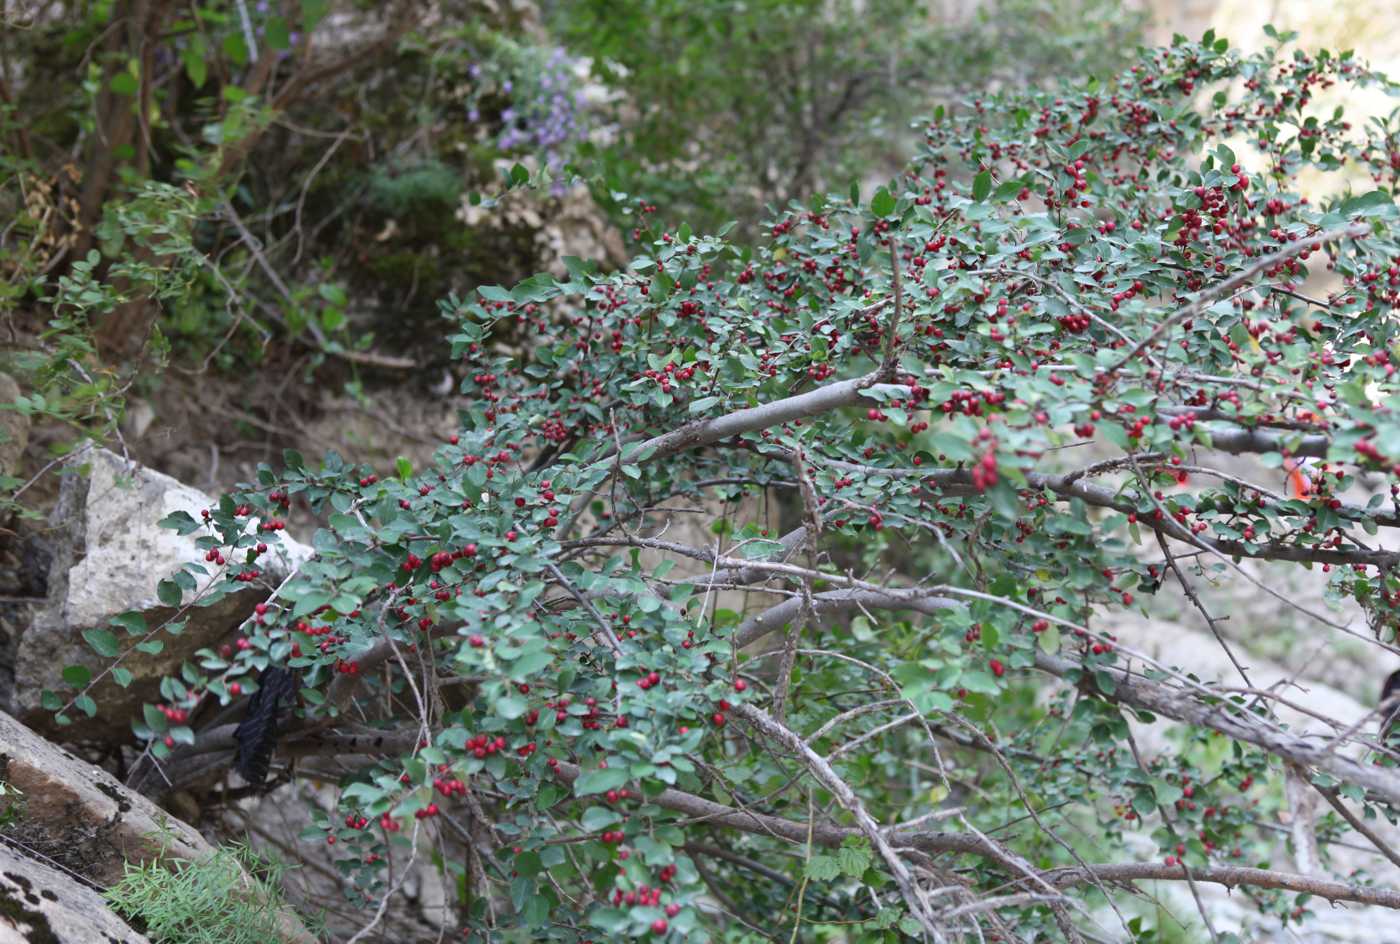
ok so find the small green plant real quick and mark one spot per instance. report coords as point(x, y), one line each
point(11, 802)
point(231, 897)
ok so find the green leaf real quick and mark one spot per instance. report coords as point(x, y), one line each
point(1166, 793)
point(1367, 204)
point(181, 522)
point(235, 49)
point(169, 593)
point(537, 288)
point(312, 12)
point(980, 682)
point(982, 186)
point(121, 676)
point(195, 58)
point(511, 707)
point(102, 641)
point(883, 203)
point(530, 663)
point(77, 675)
point(124, 83)
point(86, 705)
point(311, 602)
point(156, 721)
point(854, 856)
point(277, 33)
point(1008, 189)
point(954, 447)
point(600, 781)
point(823, 868)
point(599, 817)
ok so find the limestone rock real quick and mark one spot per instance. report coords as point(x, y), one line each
point(109, 554)
point(42, 904)
point(78, 815)
point(81, 819)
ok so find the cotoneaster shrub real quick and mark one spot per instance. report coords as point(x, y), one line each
point(990, 401)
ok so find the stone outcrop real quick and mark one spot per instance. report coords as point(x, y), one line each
point(78, 815)
point(81, 819)
point(42, 905)
point(109, 555)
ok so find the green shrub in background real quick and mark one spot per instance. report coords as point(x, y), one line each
point(231, 229)
point(728, 106)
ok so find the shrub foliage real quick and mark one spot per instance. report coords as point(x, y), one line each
point(953, 430)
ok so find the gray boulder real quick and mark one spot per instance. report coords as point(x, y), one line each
point(81, 820)
point(79, 817)
point(109, 555)
point(42, 904)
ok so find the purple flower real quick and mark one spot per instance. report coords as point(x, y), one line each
point(544, 113)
